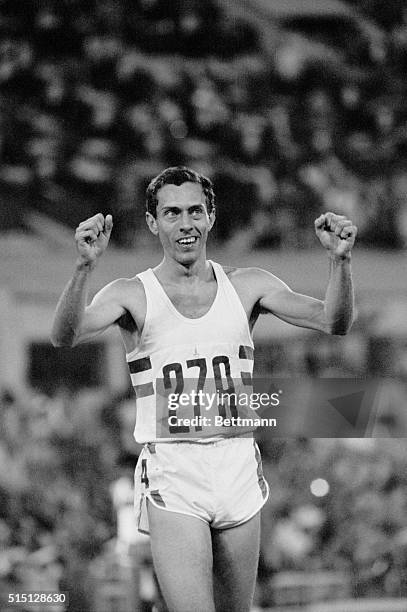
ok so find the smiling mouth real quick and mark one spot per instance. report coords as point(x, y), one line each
point(187, 241)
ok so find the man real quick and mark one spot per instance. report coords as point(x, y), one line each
point(190, 318)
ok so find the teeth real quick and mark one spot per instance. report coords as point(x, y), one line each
point(187, 240)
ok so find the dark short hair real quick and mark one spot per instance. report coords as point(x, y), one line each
point(178, 175)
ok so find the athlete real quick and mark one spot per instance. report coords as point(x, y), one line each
point(188, 323)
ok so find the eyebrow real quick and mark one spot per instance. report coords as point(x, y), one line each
point(175, 208)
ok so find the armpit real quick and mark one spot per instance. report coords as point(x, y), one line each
point(127, 322)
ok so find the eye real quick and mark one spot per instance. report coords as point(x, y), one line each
point(170, 214)
point(197, 212)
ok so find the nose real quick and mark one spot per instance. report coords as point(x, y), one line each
point(185, 222)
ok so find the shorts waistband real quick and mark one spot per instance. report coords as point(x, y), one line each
point(200, 442)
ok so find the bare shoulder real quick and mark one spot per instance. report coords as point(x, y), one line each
point(121, 286)
point(252, 285)
point(253, 278)
point(132, 285)
point(122, 291)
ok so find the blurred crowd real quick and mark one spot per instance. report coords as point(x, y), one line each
point(60, 455)
point(57, 457)
point(357, 525)
point(97, 97)
point(62, 452)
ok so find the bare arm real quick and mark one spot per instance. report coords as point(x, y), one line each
point(74, 321)
point(339, 297)
point(334, 315)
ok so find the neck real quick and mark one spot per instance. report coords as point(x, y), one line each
point(174, 271)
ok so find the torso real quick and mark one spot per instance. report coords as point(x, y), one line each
point(195, 335)
point(192, 300)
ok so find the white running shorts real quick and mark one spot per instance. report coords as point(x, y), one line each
point(220, 482)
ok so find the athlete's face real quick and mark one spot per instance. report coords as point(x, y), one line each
point(182, 221)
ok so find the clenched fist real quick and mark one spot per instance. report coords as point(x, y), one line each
point(336, 233)
point(92, 237)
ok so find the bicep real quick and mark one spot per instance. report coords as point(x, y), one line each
point(104, 310)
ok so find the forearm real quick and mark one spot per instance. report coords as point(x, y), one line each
point(71, 307)
point(339, 297)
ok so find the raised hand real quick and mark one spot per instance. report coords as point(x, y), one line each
point(336, 233)
point(92, 237)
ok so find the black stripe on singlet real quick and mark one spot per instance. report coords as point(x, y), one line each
point(247, 379)
point(136, 367)
point(144, 390)
point(140, 365)
point(246, 352)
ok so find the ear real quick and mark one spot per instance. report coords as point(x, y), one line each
point(212, 217)
point(152, 223)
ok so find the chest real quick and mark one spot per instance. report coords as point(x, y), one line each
point(192, 302)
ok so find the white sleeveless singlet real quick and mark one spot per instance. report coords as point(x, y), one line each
point(193, 360)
